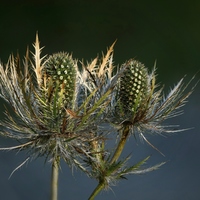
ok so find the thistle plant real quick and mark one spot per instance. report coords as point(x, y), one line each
point(53, 114)
point(62, 111)
point(137, 106)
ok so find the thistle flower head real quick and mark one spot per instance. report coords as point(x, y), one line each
point(142, 106)
point(60, 70)
point(58, 91)
point(133, 91)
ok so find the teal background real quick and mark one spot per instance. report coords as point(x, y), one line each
point(167, 32)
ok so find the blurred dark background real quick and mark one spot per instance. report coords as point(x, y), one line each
point(167, 32)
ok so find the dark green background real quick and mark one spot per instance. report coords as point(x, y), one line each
point(165, 31)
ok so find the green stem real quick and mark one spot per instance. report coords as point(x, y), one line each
point(115, 157)
point(96, 191)
point(121, 145)
point(54, 179)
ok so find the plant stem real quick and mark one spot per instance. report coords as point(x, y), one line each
point(99, 187)
point(54, 179)
point(121, 145)
point(115, 157)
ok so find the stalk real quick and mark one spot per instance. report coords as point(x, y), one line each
point(115, 157)
point(54, 179)
point(96, 191)
point(120, 145)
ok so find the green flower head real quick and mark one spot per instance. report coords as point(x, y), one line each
point(133, 86)
point(142, 106)
point(60, 70)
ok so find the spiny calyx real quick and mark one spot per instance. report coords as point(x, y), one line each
point(133, 86)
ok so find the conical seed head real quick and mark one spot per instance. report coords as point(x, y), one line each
point(133, 86)
point(61, 72)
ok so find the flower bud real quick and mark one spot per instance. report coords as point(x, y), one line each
point(61, 71)
point(133, 86)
